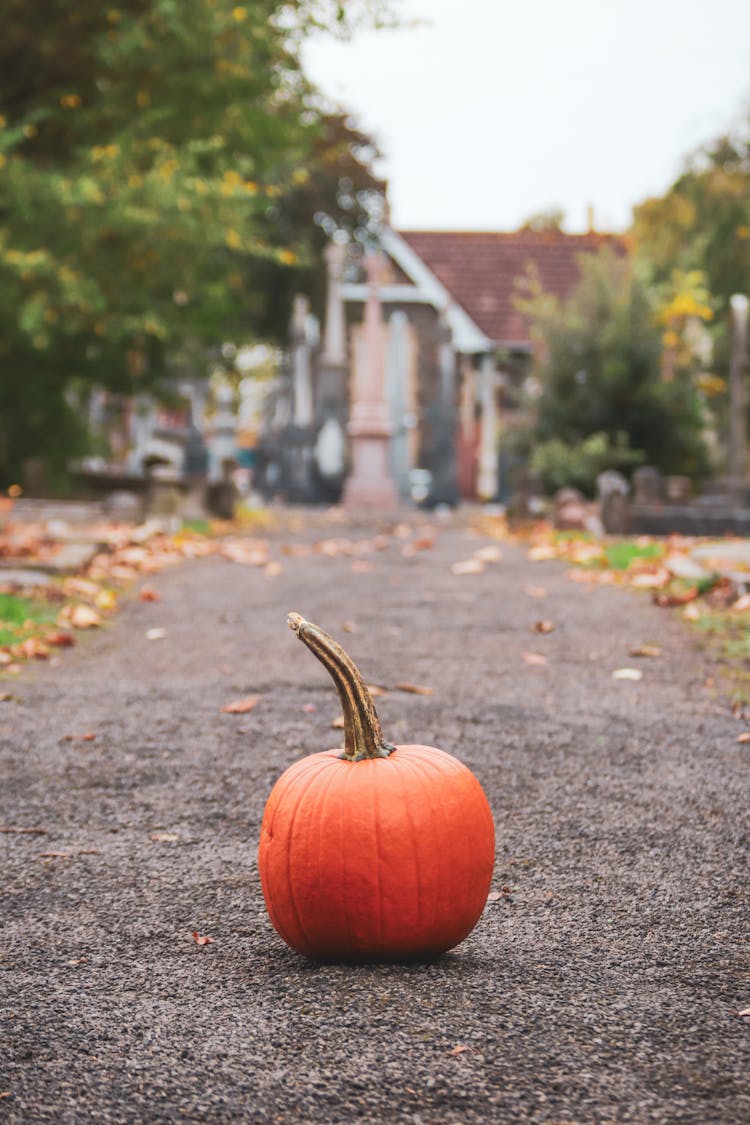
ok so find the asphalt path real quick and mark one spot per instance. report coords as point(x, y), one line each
point(604, 980)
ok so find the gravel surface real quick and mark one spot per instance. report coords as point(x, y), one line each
point(602, 983)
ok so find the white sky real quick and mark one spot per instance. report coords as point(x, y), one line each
point(497, 109)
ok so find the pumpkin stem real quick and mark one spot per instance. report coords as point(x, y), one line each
point(363, 737)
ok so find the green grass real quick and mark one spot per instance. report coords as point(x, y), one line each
point(200, 527)
point(20, 617)
point(620, 555)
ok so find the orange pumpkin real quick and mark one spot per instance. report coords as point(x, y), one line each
point(374, 851)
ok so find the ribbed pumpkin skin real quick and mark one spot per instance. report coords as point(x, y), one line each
point(383, 859)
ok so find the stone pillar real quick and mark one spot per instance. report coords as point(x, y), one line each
point(738, 398)
point(331, 382)
point(397, 374)
point(487, 483)
point(443, 420)
point(301, 378)
point(370, 484)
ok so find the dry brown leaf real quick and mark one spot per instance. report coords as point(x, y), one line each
point(156, 634)
point(350, 627)
point(645, 650)
point(32, 649)
point(458, 1049)
point(414, 689)
point(164, 837)
point(744, 737)
point(744, 1012)
point(338, 723)
point(273, 570)
point(667, 600)
point(691, 613)
point(376, 691)
point(88, 736)
point(6, 696)
point(202, 940)
point(54, 855)
point(543, 626)
point(148, 594)
point(61, 640)
point(468, 566)
point(12, 830)
point(494, 896)
point(240, 706)
point(106, 600)
point(533, 658)
point(5, 658)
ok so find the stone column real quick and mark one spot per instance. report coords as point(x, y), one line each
point(331, 381)
point(370, 484)
point(738, 398)
point(396, 377)
point(301, 378)
point(443, 419)
point(487, 482)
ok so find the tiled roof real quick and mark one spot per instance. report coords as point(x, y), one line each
point(480, 270)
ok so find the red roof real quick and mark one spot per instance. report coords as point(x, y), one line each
point(480, 270)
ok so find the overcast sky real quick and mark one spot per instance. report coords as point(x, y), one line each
point(497, 109)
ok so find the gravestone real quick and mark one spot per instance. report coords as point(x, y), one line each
point(612, 492)
point(647, 485)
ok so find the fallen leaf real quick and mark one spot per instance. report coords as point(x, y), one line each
point(744, 737)
point(532, 591)
point(80, 617)
point(6, 696)
point(89, 736)
point(667, 600)
point(543, 626)
point(458, 1049)
point(106, 600)
point(650, 581)
point(691, 613)
point(5, 658)
point(148, 594)
point(744, 1012)
point(468, 566)
point(156, 634)
point(360, 566)
point(376, 691)
point(273, 569)
point(489, 554)
point(627, 674)
point(645, 650)
point(494, 896)
point(90, 851)
point(164, 837)
point(240, 706)
point(349, 627)
point(542, 554)
point(533, 658)
point(202, 940)
point(54, 855)
point(309, 708)
point(414, 689)
point(61, 640)
point(426, 543)
point(338, 723)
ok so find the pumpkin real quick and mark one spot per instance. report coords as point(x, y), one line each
point(374, 851)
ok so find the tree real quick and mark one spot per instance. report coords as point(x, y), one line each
point(598, 366)
point(703, 221)
point(160, 163)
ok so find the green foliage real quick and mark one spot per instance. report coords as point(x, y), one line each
point(161, 162)
point(560, 464)
point(703, 220)
point(599, 369)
